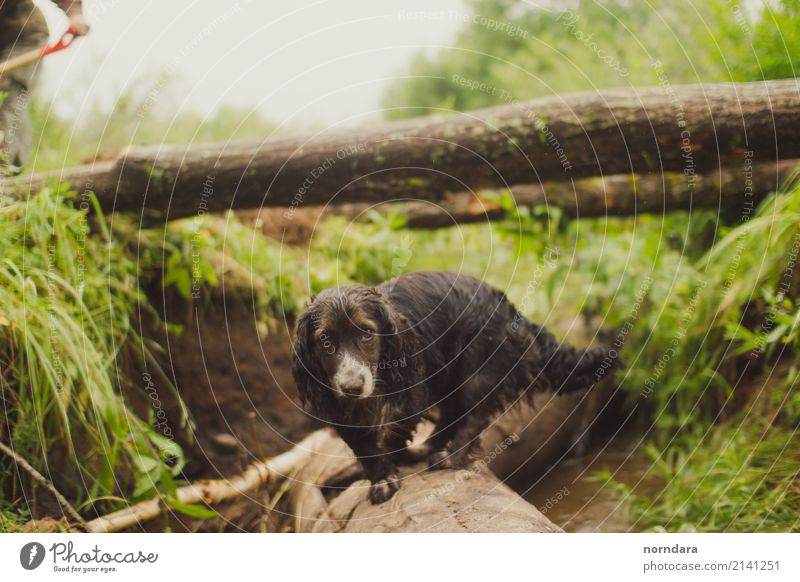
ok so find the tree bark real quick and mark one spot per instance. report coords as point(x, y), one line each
point(687, 129)
point(621, 195)
point(467, 500)
point(472, 500)
point(728, 190)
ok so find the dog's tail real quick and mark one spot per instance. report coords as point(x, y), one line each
point(570, 369)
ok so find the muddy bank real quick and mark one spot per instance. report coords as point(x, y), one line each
point(233, 373)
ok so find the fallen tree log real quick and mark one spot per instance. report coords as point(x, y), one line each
point(467, 500)
point(728, 189)
point(689, 129)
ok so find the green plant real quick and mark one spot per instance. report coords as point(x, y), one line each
point(202, 256)
point(68, 296)
point(368, 252)
point(740, 476)
point(135, 118)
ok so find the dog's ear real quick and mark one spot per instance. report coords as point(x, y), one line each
point(306, 368)
point(399, 346)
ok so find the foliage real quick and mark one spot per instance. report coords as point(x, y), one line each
point(68, 297)
point(546, 50)
point(740, 476)
point(202, 257)
point(760, 48)
point(368, 252)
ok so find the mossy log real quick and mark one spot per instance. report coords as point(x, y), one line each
point(727, 189)
point(690, 129)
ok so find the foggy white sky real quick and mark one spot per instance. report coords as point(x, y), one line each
point(302, 61)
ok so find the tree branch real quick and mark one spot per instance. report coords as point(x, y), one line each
point(46, 483)
point(215, 491)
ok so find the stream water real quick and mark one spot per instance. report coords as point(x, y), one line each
point(572, 496)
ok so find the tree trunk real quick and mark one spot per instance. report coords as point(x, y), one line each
point(468, 500)
point(686, 129)
point(729, 190)
point(621, 195)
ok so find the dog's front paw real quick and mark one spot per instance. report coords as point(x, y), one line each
point(383, 490)
point(440, 460)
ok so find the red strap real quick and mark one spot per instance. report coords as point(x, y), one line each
point(66, 39)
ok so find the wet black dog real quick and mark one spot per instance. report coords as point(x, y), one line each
point(371, 361)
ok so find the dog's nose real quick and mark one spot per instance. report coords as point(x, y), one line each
point(352, 385)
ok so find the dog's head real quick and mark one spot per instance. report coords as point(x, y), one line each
point(349, 340)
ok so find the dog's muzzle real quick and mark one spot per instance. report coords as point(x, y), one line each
point(352, 387)
point(353, 379)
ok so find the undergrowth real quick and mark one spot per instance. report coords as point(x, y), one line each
point(697, 320)
point(67, 302)
point(739, 476)
point(201, 258)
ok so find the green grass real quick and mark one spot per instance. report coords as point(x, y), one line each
point(740, 476)
point(67, 302)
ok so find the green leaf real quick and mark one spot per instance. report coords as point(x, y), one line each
point(192, 510)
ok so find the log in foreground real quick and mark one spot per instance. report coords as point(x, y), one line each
point(729, 189)
point(471, 500)
point(689, 129)
point(467, 500)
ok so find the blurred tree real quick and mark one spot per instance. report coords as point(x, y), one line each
point(764, 47)
point(512, 51)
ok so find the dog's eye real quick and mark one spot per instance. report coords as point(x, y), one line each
point(368, 336)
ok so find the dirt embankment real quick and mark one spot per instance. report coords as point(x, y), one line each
point(236, 383)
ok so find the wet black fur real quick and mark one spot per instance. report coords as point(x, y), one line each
point(467, 352)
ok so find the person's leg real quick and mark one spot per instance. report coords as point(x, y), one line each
point(15, 131)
